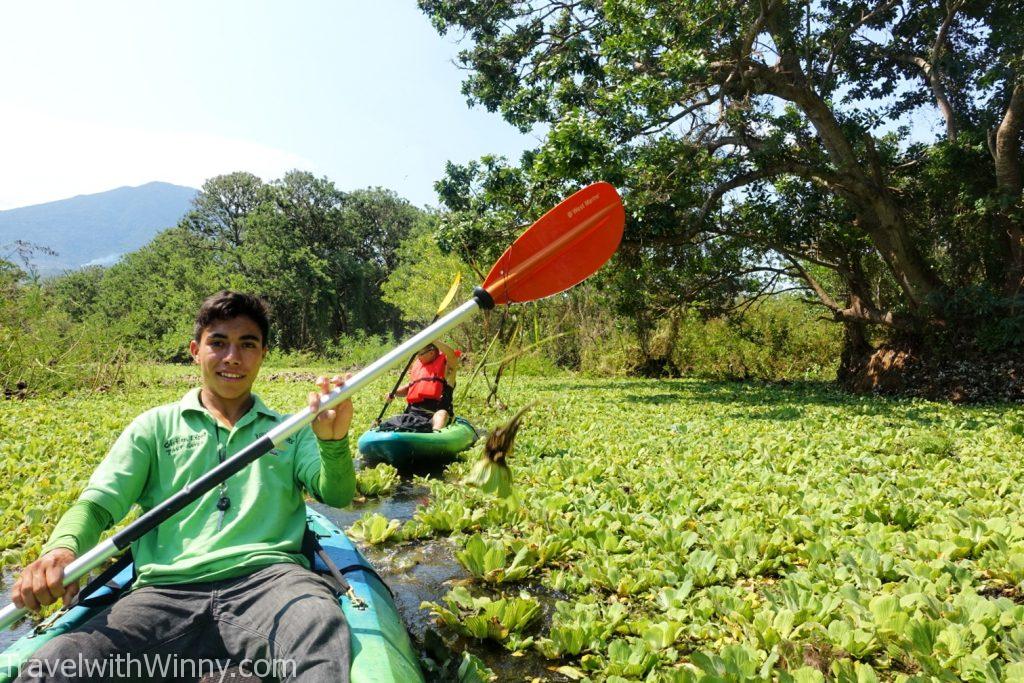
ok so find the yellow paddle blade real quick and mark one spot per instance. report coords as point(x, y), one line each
point(451, 294)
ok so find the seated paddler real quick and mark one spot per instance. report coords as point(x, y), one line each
point(431, 384)
point(225, 577)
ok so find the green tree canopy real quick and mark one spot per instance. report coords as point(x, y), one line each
point(769, 139)
point(320, 256)
point(317, 254)
point(423, 275)
point(151, 295)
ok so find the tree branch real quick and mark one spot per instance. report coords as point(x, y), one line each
point(801, 170)
point(815, 286)
point(857, 312)
point(934, 74)
point(659, 126)
point(746, 303)
point(930, 70)
point(737, 182)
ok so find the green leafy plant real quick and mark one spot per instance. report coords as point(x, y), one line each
point(630, 658)
point(449, 516)
point(377, 481)
point(686, 514)
point(735, 662)
point(489, 560)
point(483, 618)
point(473, 670)
point(580, 627)
point(374, 528)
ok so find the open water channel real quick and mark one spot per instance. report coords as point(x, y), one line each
point(425, 571)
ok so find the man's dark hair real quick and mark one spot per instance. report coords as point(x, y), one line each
point(225, 305)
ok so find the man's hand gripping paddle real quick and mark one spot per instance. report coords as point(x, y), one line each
point(566, 246)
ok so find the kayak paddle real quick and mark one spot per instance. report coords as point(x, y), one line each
point(440, 309)
point(564, 247)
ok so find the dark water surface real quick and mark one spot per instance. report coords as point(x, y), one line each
point(425, 571)
point(416, 572)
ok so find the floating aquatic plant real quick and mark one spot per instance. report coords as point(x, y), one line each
point(377, 481)
point(492, 561)
point(483, 618)
point(447, 516)
point(491, 472)
point(754, 516)
point(374, 528)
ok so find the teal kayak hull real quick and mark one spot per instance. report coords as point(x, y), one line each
point(409, 449)
point(381, 649)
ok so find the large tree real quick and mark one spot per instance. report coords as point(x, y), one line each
point(219, 213)
point(320, 255)
point(792, 135)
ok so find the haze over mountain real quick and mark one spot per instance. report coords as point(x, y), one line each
point(95, 229)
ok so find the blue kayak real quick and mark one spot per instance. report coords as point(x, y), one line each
point(381, 649)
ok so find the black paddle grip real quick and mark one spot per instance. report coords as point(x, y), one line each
point(483, 298)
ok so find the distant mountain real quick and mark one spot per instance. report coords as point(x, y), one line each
point(93, 229)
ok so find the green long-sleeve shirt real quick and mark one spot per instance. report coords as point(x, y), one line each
point(168, 447)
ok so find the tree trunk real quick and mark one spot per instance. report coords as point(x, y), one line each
point(655, 362)
point(855, 355)
point(863, 186)
point(896, 246)
point(1009, 182)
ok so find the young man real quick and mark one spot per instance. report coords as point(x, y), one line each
point(432, 383)
point(225, 577)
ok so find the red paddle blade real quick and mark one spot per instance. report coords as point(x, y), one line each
point(565, 247)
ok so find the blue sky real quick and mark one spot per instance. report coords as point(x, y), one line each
point(103, 94)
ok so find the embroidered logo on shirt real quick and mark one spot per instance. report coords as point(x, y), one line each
point(177, 444)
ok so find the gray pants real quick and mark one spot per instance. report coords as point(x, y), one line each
point(280, 622)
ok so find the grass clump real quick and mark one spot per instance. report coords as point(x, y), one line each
point(43, 350)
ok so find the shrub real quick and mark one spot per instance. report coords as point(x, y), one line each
point(42, 349)
point(779, 338)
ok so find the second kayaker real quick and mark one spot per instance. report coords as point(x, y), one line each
point(431, 384)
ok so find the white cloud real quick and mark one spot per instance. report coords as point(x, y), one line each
point(44, 157)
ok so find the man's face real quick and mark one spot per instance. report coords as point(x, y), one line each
point(230, 353)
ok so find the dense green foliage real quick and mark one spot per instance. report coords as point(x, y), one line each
point(778, 338)
point(723, 532)
point(589, 328)
point(423, 274)
point(764, 143)
point(317, 254)
point(42, 348)
point(77, 332)
point(685, 528)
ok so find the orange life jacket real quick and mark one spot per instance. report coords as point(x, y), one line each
point(427, 379)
